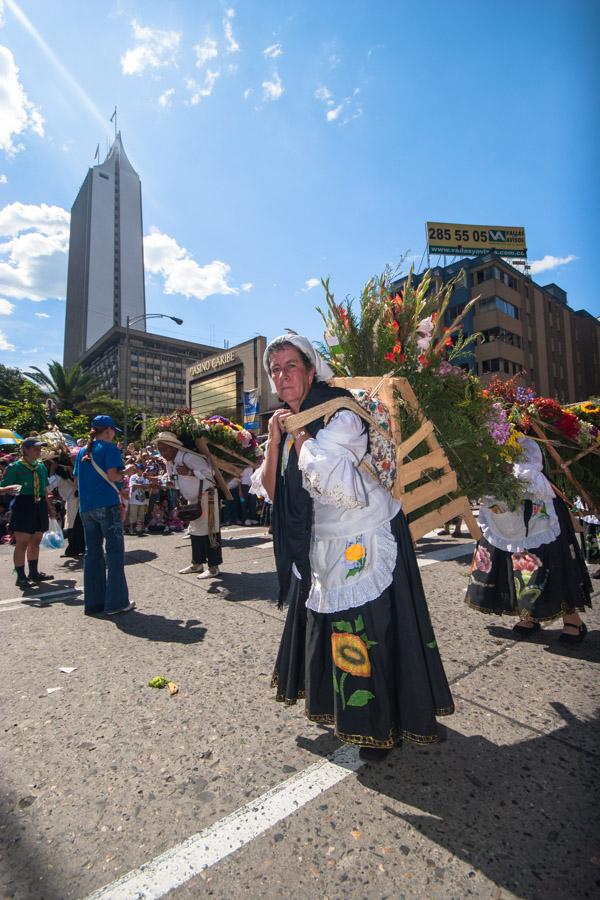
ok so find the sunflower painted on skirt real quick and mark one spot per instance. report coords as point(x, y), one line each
point(350, 652)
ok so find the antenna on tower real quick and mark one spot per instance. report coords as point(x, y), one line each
point(97, 153)
point(113, 118)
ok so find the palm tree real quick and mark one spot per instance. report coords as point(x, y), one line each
point(69, 388)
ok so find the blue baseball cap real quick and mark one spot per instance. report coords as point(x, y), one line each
point(102, 422)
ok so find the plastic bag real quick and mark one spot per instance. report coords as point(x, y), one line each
point(53, 539)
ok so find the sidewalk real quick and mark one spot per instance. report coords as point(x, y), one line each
point(106, 774)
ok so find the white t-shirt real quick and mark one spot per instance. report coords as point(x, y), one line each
point(137, 493)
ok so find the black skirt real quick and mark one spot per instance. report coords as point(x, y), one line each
point(28, 516)
point(538, 585)
point(374, 672)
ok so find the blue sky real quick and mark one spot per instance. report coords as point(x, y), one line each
point(278, 142)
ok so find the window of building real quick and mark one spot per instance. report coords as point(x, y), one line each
point(501, 305)
point(215, 395)
point(501, 334)
point(490, 365)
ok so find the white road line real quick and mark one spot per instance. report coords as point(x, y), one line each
point(45, 596)
point(186, 860)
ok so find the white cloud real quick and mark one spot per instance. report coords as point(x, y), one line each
point(273, 89)
point(3, 179)
point(165, 98)
point(333, 114)
point(182, 275)
point(42, 315)
point(311, 283)
point(537, 266)
point(247, 286)
point(334, 61)
point(232, 45)
point(4, 344)
point(33, 258)
point(6, 307)
point(322, 93)
point(17, 112)
point(199, 91)
point(247, 93)
point(154, 49)
point(273, 51)
point(205, 51)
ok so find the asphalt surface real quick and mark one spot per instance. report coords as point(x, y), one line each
point(104, 774)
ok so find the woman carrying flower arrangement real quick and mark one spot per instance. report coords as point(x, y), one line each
point(528, 563)
point(358, 643)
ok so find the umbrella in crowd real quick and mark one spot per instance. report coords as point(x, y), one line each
point(9, 437)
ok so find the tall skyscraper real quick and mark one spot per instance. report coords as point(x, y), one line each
point(105, 281)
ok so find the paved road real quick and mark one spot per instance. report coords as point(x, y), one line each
point(104, 775)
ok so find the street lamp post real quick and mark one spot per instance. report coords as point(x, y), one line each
point(128, 323)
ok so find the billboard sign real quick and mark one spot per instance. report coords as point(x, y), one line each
point(475, 240)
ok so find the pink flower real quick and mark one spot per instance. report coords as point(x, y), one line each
point(482, 561)
point(526, 562)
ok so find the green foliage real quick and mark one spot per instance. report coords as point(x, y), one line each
point(72, 423)
point(25, 411)
point(10, 383)
point(68, 387)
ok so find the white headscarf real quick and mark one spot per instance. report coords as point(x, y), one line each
point(322, 370)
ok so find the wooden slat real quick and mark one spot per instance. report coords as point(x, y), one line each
point(411, 471)
point(221, 483)
point(414, 440)
point(472, 524)
point(233, 453)
point(439, 517)
point(429, 492)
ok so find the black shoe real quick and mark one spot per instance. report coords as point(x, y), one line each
point(566, 638)
point(523, 631)
point(40, 576)
point(372, 754)
point(23, 582)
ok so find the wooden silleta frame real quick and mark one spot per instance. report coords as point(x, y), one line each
point(409, 471)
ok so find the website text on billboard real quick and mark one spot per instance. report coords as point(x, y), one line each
point(475, 240)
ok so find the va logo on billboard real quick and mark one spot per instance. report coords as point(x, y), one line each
point(499, 236)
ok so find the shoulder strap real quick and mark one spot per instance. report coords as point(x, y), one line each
point(103, 474)
point(327, 410)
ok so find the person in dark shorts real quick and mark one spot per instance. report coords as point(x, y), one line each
point(30, 510)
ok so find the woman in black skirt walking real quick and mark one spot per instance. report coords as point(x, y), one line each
point(30, 510)
point(528, 563)
point(358, 643)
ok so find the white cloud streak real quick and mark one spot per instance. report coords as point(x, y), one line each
point(200, 91)
point(181, 273)
point(345, 111)
point(536, 266)
point(273, 89)
point(17, 112)
point(3, 179)
point(154, 49)
point(205, 51)
point(58, 66)
point(6, 307)
point(166, 99)
point(273, 51)
point(42, 315)
point(231, 45)
point(310, 283)
point(4, 343)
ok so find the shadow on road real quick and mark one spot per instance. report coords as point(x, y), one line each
point(241, 543)
point(133, 557)
point(153, 627)
point(523, 814)
point(236, 586)
point(588, 650)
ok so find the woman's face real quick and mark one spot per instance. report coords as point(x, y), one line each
point(291, 377)
point(32, 453)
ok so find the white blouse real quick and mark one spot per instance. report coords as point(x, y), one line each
point(506, 529)
point(353, 551)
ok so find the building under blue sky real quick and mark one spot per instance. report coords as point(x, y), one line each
point(281, 143)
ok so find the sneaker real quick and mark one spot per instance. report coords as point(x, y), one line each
point(209, 574)
point(115, 612)
point(189, 570)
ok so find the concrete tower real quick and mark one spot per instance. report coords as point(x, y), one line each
point(105, 281)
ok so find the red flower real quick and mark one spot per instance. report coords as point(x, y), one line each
point(390, 357)
point(343, 315)
point(423, 360)
point(569, 425)
point(448, 342)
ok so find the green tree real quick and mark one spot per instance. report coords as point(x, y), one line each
point(24, 411)
point(70, 388)
point(10, 383)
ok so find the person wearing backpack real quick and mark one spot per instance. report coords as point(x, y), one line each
point(358, 644)
point(98, 470)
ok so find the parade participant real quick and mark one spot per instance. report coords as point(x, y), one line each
point(528, 563)
point(194, 477)
point(358, 642)
point(98, 470)
point(62, 478)
point(27, 477)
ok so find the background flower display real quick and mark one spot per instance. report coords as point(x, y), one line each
point(569, 436)
point(222, 435)
point(407, 333)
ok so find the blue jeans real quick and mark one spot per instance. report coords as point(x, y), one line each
point(102, 593)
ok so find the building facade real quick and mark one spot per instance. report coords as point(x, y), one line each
point(220, 383)
point(526, 327)
point(105, 280)
point(157, 367)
